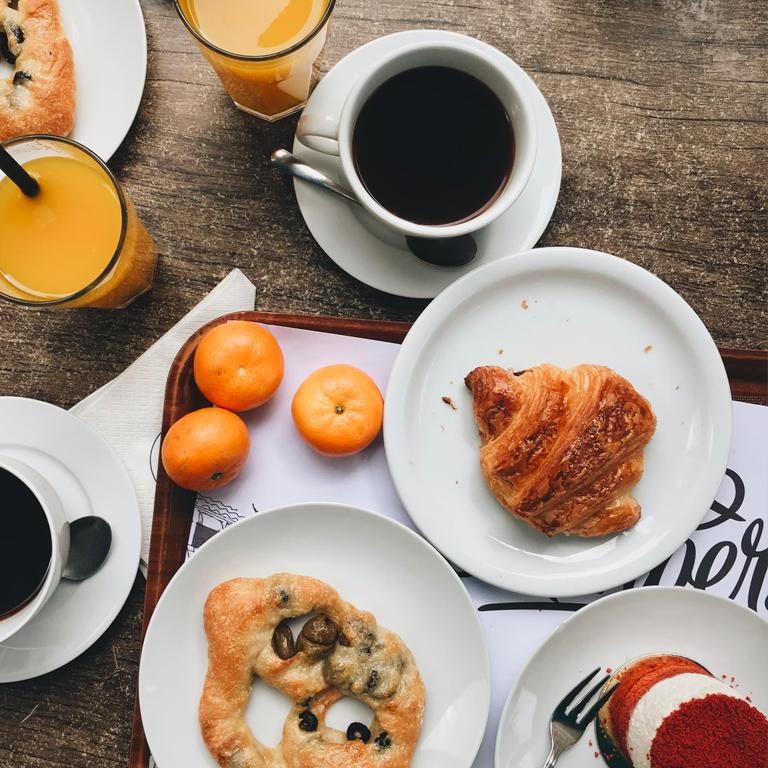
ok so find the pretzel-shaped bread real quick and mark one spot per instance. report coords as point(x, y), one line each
point(340, 651)
point(39, 97)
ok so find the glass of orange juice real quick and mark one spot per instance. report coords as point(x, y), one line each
point(78, 242)
point(265, 52)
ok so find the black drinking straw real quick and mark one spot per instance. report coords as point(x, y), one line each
point(13, 170)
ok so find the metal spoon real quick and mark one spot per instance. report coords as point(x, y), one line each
point(446, 252)
point(290, 165)
point(89, 541)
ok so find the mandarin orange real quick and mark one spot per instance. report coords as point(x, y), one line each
point(205, 449)
point(338, 410)
point(238, 365)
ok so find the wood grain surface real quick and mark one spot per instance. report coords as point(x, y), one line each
point(662, 108)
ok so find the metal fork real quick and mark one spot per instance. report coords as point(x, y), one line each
point(566, 727)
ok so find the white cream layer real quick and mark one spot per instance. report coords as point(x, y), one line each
point(660, 701)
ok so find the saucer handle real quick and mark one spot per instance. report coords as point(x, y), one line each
point(319, 132)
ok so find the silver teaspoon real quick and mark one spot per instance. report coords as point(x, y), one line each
point(89, 541)
point(290, 165)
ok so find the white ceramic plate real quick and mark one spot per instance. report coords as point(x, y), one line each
point(380, 258)
point(375, 563)
point(613, 631)
point(109, 43)
point(91, 480)
point(582, 306)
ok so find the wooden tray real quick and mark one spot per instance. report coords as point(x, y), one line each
point(747, 372)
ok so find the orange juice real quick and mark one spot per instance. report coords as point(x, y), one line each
point(78, 242)
point(60, 241)
point(256, 27)
point(264, 51)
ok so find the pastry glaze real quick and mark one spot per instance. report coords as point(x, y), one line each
point(39, 97)
point(562, 448)
point(366, 661)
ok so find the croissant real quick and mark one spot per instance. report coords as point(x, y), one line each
point(562, 448)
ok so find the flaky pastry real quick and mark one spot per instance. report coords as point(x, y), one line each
point(562, 448)
point(39, 97)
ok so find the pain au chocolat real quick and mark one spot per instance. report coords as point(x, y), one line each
point(562, 448)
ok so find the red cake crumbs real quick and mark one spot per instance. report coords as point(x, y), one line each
point(609, 670)
point(717, 731)
point(597, 754)
point(590, 742)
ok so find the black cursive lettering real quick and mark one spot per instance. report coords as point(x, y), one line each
point(703, 577)
point(724, 514)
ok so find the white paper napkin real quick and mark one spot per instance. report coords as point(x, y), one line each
point(128, 410)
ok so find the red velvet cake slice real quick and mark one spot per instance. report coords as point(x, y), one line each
point(670, 712)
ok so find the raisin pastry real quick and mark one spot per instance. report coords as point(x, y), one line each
point(339, 652)
point(39, 97)
point(562, 448)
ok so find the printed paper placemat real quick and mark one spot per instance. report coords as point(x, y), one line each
point(727, 555)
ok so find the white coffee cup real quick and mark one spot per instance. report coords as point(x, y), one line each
point(59, 530)
point(332, 134)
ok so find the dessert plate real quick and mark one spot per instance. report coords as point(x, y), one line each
point(379, 257)
point(563, 306)
point(90, 480)
point(724, 637)
point(376, 564)
point(109, 43)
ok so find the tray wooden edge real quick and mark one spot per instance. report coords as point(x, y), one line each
point(747, 372)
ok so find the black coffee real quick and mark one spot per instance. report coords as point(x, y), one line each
point(433, 145)
point(25, 544)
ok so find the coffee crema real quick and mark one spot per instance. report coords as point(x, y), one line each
point(25, 544)
point(433, 145)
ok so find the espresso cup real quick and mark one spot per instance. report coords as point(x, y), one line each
point(57, 527)
point(332, 134)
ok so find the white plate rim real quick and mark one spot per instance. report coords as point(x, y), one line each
point(383, 519)
point(142, 81)
point(429, 321)
point(683, 593)
point(120, 595)
point(348, 265)
point(112, 142)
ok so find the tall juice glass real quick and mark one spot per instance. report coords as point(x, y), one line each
point(78, 242)
point(265, 52)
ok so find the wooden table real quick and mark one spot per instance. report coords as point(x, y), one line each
point(662, 107)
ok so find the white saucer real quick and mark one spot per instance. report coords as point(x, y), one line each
point(375, 563)
point(564, 306)
point(379, 258)
point(726, 638)
point(90, 480)
point(109, 43)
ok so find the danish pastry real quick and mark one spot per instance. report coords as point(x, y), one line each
point(339, 652)
point(39, 97)
point(561, 448)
